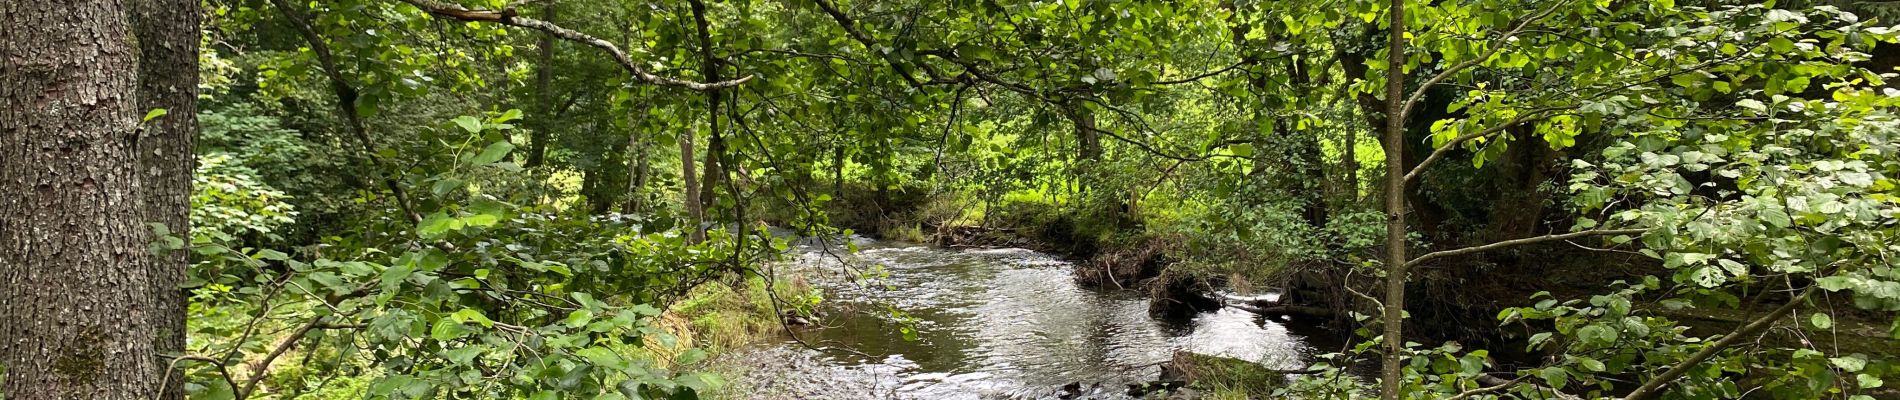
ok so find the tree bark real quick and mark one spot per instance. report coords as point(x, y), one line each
point(77, 309)
point(167, 32)
point(1394, 143)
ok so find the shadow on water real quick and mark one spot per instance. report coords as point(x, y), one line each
point(991, 323)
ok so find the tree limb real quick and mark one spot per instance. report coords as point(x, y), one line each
point(1419, 93)
point(508, 17)
point(1524, 241)
point(1441, 151)
point(1487, 389)
point(870, 44)
point(1654, 387)
point(346, 104)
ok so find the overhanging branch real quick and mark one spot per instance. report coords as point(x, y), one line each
point(1440, 152)
point(508, 17)
point(1519, 242)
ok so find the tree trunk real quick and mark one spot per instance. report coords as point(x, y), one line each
point(77, 308)
point(167, 32)
point(346, 96)
point(1353, 64)
point(637, 162)
point(1394, 143)
point(715, 142)
point(696, 216)
point(544, 87)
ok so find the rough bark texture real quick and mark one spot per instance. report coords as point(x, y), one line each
point(76, 303)
point(167, 32)
point(1394, 143)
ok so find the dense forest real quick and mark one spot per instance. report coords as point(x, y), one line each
point(628, 199)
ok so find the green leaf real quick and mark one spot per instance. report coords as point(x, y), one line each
point(1868, 381)
point(154, 114)
point(1821, 321)
point(600, 356)
point(469, 314)
point(468, 123)
point(1777, 218)
point(1242, 150)
point(510, 115)
point(437, 224)
point(690, 356)
point(444, 186)
point(1591, 364)
point(1850, 363)
point(494, 152)
point(447, 329)
point(578, 318)
point(1556, 377)
point(394, 275)
point(481, 220)
point(1834, 283)
point(1597, 334)
point(463, 355)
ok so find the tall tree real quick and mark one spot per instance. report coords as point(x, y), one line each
point(167, 33)
point(77, 309)
point(1393, 140)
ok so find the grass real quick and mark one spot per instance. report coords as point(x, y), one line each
point(1227, 378)
point(721, 317)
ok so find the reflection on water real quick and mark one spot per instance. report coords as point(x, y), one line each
point(1000, 323)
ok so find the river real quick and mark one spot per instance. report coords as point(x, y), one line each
point(989, 323)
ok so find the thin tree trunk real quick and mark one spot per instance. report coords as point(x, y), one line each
point(346, 106)
point(1394, 143)
point(637, 166)
point(167, 32)
point(837, 169)
point(544, 88)
point(636, 145)
point(77, 310)
point(1353, 64)
point(715, 141)
point(696, 216)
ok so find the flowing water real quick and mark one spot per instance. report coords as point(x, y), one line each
point(989, 323)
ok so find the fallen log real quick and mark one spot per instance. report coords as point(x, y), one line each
point(1285, 309)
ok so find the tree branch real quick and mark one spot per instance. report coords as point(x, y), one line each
point(1441, 151)
point(508, 17)
point(259, 369)
point(1487, 389)
point(1524, 241)
point(870, 44)
point(1654, 387)
point(1419, 93)
point(346, 104)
